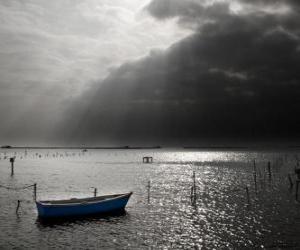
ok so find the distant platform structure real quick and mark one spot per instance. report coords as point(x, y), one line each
point(6, 146)
point(147, 159)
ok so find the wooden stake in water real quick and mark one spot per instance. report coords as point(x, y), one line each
point(269, 170)
point(255, 176)
point(297, 186)
point(34, 191)
point(148, 190)
point(18, 206)
point(248, 196)
point(194, 189)
point(192, 194)
point(95, 192)
point(290, 180)
point(254, 166)
point(255, 183)
point(194, 181)
point(12, 160)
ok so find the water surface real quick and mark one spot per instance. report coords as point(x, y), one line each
point(221, 218)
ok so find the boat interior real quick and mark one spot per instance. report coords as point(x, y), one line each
point(82, 200)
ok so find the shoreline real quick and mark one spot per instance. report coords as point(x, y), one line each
point(201, 148)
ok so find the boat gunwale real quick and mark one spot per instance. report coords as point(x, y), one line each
point(82, 201)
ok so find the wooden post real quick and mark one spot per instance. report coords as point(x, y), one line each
point(269, 170)
point(254, 166)
point(248, 196)
point(194, 189)
point(12, 168)
point(297, 186)
point(192, 194)
point(194, 183)
point(12, 160)
point(148, 190)
point(255, 176)
point(147, 159)
point(95, 192)
point(290, 180)
point(34, 191)
point(297, 172)
point(264, 178)
point(18, 206)
point(255, 183)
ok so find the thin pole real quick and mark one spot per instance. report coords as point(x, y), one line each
point(12, 168)
point(148, 188)
point(248, 196)
point(255, 183)
point(95, 192)
point(254, 166)
point(194, 188)
point(255, 176)
point(18, 206)
point(290, 180)
point(269, 170)
point(192, 194)
point(297, 186)
point(12, 160)
point(34, 191)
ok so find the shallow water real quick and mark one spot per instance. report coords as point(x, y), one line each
point(220, 219)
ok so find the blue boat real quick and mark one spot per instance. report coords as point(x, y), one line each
point(82, 207)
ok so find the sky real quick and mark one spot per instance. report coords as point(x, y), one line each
point(141, 72)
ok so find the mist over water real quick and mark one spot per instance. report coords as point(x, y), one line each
point(221, 218)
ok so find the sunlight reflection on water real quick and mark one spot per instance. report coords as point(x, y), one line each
point(221, 218)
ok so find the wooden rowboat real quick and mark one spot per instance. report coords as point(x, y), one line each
point(82, 207)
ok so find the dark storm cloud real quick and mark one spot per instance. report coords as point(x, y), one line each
point(189, 11)
point(236, 76)
point(189, 8)
point(272, 2)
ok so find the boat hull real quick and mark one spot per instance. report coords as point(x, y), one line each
point(83, 208)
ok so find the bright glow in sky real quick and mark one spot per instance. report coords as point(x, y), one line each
point(53, 51)
point(67, 44)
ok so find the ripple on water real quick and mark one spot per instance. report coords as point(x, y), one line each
point(221, 218)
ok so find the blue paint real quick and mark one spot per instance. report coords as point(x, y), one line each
point(83, 208)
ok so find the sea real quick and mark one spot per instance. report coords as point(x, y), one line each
point(244, 199)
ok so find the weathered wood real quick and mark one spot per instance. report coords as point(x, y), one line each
point(192, 194)
point(291, 181)
point(297, 172)
point(248, 195)
point(255, 182)
point(18, 206)
point(147, 159)
point(12, 161)
point(148, 190)
point(297, 187)
point(269, 170)
point(34, 191)
point(194, 189)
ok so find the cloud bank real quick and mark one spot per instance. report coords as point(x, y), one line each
point(53, 51)
point(235, 76)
